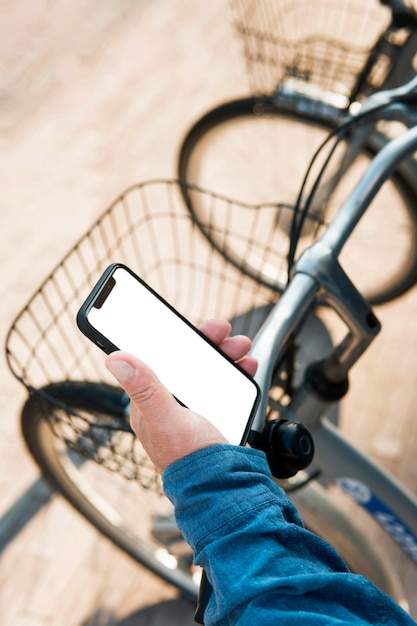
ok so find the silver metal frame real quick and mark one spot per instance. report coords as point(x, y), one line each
point(318, 274)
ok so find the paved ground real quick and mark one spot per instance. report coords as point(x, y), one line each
point(94, 97)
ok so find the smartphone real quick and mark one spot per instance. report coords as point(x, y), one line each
point(122, 312)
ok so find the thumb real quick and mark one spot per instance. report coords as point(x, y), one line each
point(167, 430)
point(141, 384)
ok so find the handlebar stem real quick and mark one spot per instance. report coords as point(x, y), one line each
point(338, 291)
point(316, 274)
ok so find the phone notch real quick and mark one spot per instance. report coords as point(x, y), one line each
point(105, 292)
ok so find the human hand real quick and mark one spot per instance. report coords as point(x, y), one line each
point(167, 430)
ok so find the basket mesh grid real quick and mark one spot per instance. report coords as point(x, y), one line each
point(324, 42)
point(149, 229)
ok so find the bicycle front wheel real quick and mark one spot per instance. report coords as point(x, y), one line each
point(98, 465)
point(85, 449)
point(257, 152)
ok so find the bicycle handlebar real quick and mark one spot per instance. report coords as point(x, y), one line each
point(306, 285)
point(275, 332)
point(405, 94)
point(364, 192)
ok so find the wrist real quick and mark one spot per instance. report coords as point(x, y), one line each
point(213, 486)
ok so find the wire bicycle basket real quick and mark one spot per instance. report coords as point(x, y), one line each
point(324, 43)
point(149, 229)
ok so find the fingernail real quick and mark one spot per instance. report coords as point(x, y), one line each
point(121, 370)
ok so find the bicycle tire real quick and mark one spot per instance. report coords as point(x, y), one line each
point(68, 474)
point(230, 150)
point(75, 476)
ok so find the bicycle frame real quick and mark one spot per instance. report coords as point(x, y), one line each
point(318, 274)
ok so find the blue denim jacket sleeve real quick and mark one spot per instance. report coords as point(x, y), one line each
point(264, 567)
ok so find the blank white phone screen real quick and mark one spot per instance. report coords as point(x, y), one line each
point(136, 321)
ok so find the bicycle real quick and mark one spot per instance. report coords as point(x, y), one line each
point(310, 66)
point(75, 421)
